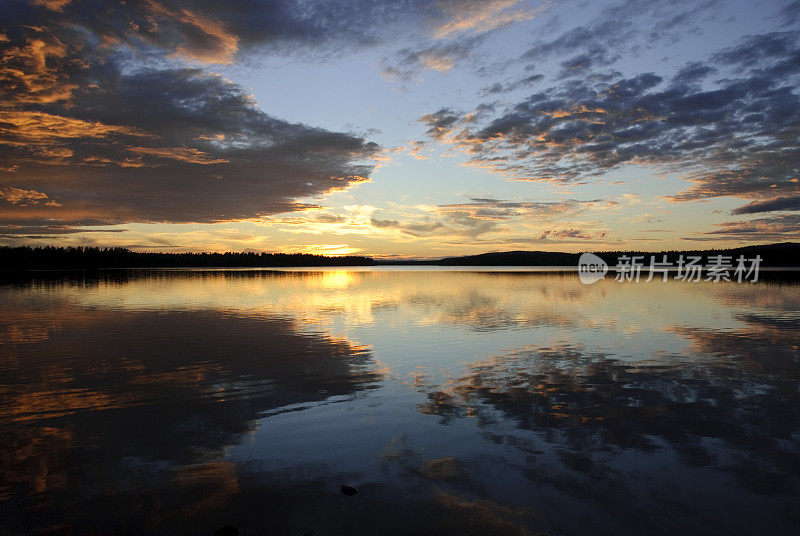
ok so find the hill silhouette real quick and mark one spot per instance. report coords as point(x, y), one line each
point(782, 254)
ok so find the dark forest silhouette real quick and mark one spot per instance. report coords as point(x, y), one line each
point(50, 257)
point(28, 258)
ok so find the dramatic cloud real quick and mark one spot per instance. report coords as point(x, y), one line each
point(770, 205)
point(215, 32)
point(89, 137)
point(736, 139)
point(109, 114)
point(101, 123)
point(169, 146)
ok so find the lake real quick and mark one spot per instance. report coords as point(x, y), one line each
point(455, 401)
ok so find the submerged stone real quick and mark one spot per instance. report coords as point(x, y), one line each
point(348, 490)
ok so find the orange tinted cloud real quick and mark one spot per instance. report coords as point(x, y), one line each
point(41, 135)
point(217, 44)
point(184, 154)
point(28, 73)
point(54, 5)
point(27, 126)
point(480, 16)
point(19, 196)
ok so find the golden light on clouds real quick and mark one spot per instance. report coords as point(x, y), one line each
point(19, 196)
point(218, 44)
point(55, 5)
point(29, 73)
point(480, 16)
point(185, 154)
point(38, 127)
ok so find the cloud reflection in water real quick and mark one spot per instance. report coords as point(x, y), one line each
point(456, 402)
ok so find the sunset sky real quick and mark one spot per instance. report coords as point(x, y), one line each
point(408, 128)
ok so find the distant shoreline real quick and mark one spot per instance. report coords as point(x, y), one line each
point(783, 255)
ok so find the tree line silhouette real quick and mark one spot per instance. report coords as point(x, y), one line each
point(50, 257)
point(55, 258)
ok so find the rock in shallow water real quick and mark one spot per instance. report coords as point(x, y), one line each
point(348, 490)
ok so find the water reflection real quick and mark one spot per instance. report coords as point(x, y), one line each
point(98, 399)
point(469, 403)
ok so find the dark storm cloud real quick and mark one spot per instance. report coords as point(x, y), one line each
point(89, 137)
point(733, 137)
point(770, 205)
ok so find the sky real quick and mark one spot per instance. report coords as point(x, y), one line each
point(399, 128)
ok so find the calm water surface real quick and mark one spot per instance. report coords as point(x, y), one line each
point(175, 402)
